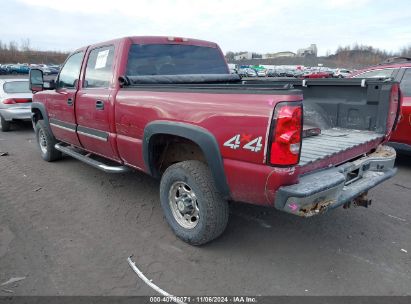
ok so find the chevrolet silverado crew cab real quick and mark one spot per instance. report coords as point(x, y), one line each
point(169, 107)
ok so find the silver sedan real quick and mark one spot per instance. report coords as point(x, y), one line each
point(15, 101)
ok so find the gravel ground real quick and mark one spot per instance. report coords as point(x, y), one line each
point(69, 228)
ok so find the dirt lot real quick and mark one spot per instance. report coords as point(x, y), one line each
point(69, 228)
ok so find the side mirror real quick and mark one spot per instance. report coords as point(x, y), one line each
point(36, 80)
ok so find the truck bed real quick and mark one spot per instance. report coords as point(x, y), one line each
point(333, 141)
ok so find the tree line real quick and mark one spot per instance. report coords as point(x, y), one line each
point(14, 52)
point(365, 55)
point(350, 56)
point(355, 56)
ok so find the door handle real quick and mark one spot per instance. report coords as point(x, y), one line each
point(70, 101)
point(99, 105)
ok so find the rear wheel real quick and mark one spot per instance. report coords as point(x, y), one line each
point(193, 207)
point(46, 142)
point(5, 125)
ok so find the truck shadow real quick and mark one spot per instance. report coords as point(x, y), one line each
point(260, 232)
point(266, 224)
point(403, 159)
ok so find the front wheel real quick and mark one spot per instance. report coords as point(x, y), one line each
point(193, 207)
point(46, 142)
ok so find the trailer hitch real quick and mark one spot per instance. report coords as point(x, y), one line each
point(362, 200)
point(359, 201)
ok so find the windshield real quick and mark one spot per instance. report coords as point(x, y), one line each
point(16, 87)
point(174, 59)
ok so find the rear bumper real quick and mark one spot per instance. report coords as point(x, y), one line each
point(16, 113)
point(330, 188)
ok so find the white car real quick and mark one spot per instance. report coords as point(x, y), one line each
point(251, 73)
point(262, 73)
point(46, 69)
point(342, 73)
point(15, 101)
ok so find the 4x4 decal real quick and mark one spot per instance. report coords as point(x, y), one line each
point(253, 145)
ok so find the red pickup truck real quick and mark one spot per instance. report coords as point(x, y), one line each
point(169, 107)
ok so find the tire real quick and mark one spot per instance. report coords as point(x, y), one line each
point(211, 210)
point(46, 142)
point(5, 125)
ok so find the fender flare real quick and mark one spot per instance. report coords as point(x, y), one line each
point(202, 137)
point(42, 108)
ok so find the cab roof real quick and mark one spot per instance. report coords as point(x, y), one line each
point(156, 40)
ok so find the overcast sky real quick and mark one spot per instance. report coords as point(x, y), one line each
point(255, 25)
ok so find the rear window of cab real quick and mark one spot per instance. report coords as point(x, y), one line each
point(174, 59)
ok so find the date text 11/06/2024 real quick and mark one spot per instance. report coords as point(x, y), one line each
point(203, 299)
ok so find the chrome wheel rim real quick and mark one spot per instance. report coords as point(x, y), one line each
point(183, 205)
point(42, 142)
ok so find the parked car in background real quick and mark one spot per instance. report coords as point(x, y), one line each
point(289, 73)
point(251, 73)
point(282, 73)
point(262, 73)
point(316, 74)
point(46, 70)
point(272, 73)
point(399, 69)
point(298, 73)
point(3, 70)
point(44, 67)
point(18, 69)
point(7, 67)
point(15, 101)
point(242, 72)
point(55, 69)
point(342, 73)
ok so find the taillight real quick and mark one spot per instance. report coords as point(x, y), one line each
point(286, 134)
point(16, 100)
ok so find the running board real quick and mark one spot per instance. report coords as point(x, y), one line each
point(92, 162)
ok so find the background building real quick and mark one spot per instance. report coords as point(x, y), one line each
point(309, 51)
point(242, 56)
point(278, 55)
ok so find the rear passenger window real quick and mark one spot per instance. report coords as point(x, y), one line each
point(99, 69)
point(406, 83)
